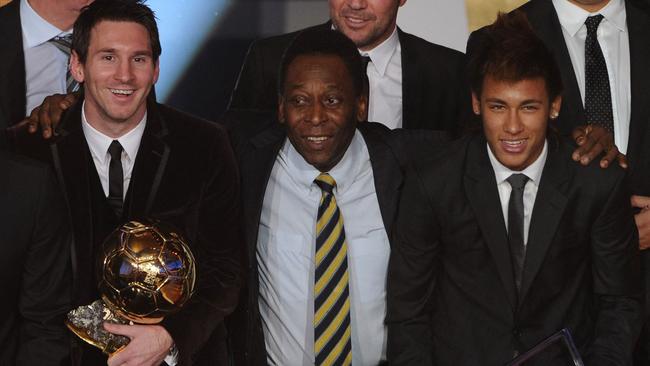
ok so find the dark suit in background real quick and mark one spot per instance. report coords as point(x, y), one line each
point(433, 90)
point(257, 142)
point(12, 66)
point(451, 294)
point(184, 174)
point(35, 241)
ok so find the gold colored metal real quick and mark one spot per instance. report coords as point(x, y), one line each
point(483, 12)
point(146, 272)
point(4, 2)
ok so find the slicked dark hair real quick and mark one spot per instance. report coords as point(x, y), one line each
point(118, 11)
point(318, 41)
point(508, 50)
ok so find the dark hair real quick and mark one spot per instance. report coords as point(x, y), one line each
point(114, 10)
point(509, 50)
point(318, 41)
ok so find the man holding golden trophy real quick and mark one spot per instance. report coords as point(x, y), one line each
point(126, 162)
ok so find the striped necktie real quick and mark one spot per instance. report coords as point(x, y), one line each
point(332, 330)
point(64, 44)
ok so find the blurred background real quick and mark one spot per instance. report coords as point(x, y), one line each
point(204, 41)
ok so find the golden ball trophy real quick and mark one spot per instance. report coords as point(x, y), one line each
point(146, 272)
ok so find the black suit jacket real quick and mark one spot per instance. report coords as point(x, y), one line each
point(257, 141)
point(545, 22)
point(433, 91)
point(35, 239)
point(451, 293)
point(12, 66)
point(185, 174)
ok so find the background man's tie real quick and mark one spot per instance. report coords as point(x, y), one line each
point(598, 97)
point(64, 44)
point(332, 331)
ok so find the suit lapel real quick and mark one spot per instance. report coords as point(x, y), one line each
point(70, 155)
point(386, 173)
point(638, 24)
point(549, 206)
point(256, 165)
point(545, 22)
point(411, 83)
point(483, 196)
point(149, 166)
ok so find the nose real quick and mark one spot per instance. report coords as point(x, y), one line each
point(513, 123)
point(316, 114)
point(356, 4)
point(124, 72)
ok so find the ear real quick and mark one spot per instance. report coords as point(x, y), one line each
point(281, 108)
point(362, 108)
point(156, 71)
point(76, 67)
point(476, 104)
point(555, 107)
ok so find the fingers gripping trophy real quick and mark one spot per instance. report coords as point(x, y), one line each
point(146, 272)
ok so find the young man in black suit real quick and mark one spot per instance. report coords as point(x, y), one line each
point(414, 84)
point(120, 156)
point(33, 66)
point(502, 240)
point(622, 37)
point(35, 240)
point(322, 106)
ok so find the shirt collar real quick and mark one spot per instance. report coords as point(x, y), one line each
point(99, 143)
point(344, 173)
point(35, 29)
point(383, 53)
point(572, 17)
point(533, 171)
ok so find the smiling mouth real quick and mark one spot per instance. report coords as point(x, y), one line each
point(125, 92)
point(514, 146)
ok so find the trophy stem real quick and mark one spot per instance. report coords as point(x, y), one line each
point(87, 322)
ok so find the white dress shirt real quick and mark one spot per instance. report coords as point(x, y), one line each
point(534, 174)
point(613, 38)
point(45, 64)
point(385, 78)
point(286, 261)
point(98, 144)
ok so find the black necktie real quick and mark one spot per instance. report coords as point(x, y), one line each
point(63, 44)
point(598, 97)
point(365, 60)
point(115, 178)
point(516, 225)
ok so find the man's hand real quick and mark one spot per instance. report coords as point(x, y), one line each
point(48, 115)
point(592, 140)
point(149, 345)
point(642, 220)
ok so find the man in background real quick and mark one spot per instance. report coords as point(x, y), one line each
point(35, 44)
point(414, 84)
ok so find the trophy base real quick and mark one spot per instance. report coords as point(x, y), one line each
point(87, 323)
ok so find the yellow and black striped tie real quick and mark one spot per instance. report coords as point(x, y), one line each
point(332, 345)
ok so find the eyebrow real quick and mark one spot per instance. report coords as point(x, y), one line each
point(136, 53)
point(527, 101)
